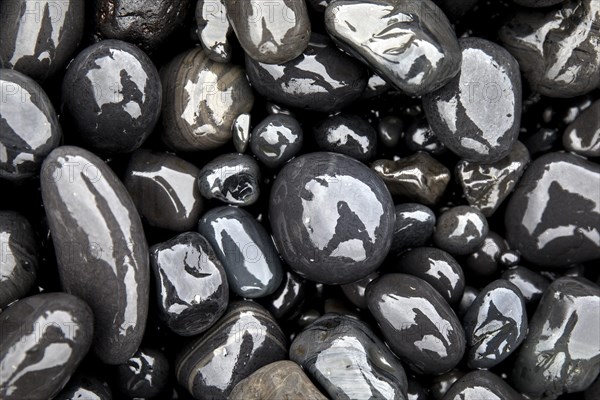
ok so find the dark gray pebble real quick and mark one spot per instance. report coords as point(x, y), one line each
point(460, 230)
point(276, 139)
point(213, 29)
point(145, 375)
point(347, 134)
point(479, 385)
point(485, 261)
point(413, 228)
point(420, 137)
point(582, 136)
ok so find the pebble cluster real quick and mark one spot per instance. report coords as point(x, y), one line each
point(300, 199)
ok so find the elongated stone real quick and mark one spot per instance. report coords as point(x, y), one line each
point(100, 247)
point(214, 29)
point(43, 338)
point(241, 132)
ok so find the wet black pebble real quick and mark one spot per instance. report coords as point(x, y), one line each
point(288, 298)
point(440, 384)
point(413, 228)
point(276, 139)
point(390, 131)
point(582, 136)
point(467, 299)
point(420, 137)
point(85, 387)
point(355, 292)
point(145, 375)
point(531, 284)
point(485, 261)
point(214, 29)
point(460, 230)
point(240, 130)
point(347, 134)
point(112, 94)
point(478, 385)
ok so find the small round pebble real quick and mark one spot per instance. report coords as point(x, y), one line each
point(390, 130)
point(276, 139)
point(485, 261)
point(144, 375)
point(414, 226)
point(582, 136)
point(420, 137)
point(460, 230)
point(347, 134)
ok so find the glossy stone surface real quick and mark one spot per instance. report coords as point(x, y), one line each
point(240, 130)
point(376, 85)
point(320, 79)
point(541, 141)
point(435, 267)
point(245, 339)
point(531, 284)
point(276, 139)
point(561, 353)
point(19, 262)
point(417, 323)
point(466, 301)
point(412, 46)
point(460, 230)
point(43, 339)
point(231, 178)
point(191, 285)
point(347, 134)
point(346, 358)
point(390, 131)
point(288, 297)
point(477, 114)
point(271, 32)
point(553, 218)
point(144, 375)
point(100, 247)
point(477, 385)
point(582, 136)
point(355, 292)
point(276, 381)
point(420, 137)
point(164, 189)
point(38, 38)
point(413, 228)
point(485, 261)
point(418, 177)
point(557, 49)
point(495, 325)
point(486, 186)
point(201, 99)
point(441, 383)
point(112, 94)
point(332, 218)
point(29, 127)
point(147, 24)
point(85, 387)
point(245, 249)
point(214, 29)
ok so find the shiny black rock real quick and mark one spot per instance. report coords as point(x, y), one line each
point(191, 285)
point(414, 226)
point(320, 79)
point(288, 298)
point(460, 230)
point(531, 284)
point(214, 29)
point(332, 217)
point(276, 139)
point(348, 360)
point(164, 189)
point(582, 136)
point(420, 137)
point(417, 323)
point(477, 114)
point(85, 387)
point(38, 38)
point(347, 134)
point(485, 261)
point(553, 218)
point(495, 325)
point(100, 247)
point(561, 353)
point(145, 375)
point(43, 338)
point(245, 249)
point(112, 94)
point(245, 339)
point(481, 385)
point(29, 127)
point(355, 292)
point(18, 257)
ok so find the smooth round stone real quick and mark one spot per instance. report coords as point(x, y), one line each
point(390, 131)
point(245, 249)
point(164, 189)
point(347, 134)
point(213, 29)
point(191, 285)
point(553, 218)
point(478, 385)
point(485, 261)
point(85, 387)
point(420, 137)
point(460, 230)
point(495, 325)
point(270, 31)
point(561, 353)
point(288, 298)
point(44, 338)
point(321, 79)
point(411, 45)
point(276, 381)
point(417, 323)
point(486, 186)
point(348, 360)
point(440, 384)
point(466, 301)
point(112, 94)
point(331, 217)
point(29, 127)
point(231, 178)
point(509, 258)
point(145, 375)
point(201, 100)
point(582, 136)
point(418, 177)
point(146, 24)
point(437, 268)
point(245, 339)
point(18, 257)
point(537, 3)
point(477, 114)
point(413, 228)
point(38, 38)
point(531, 284)
point(557, 50)
point(240, 129)
point(100, 247)
point(276, 139)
